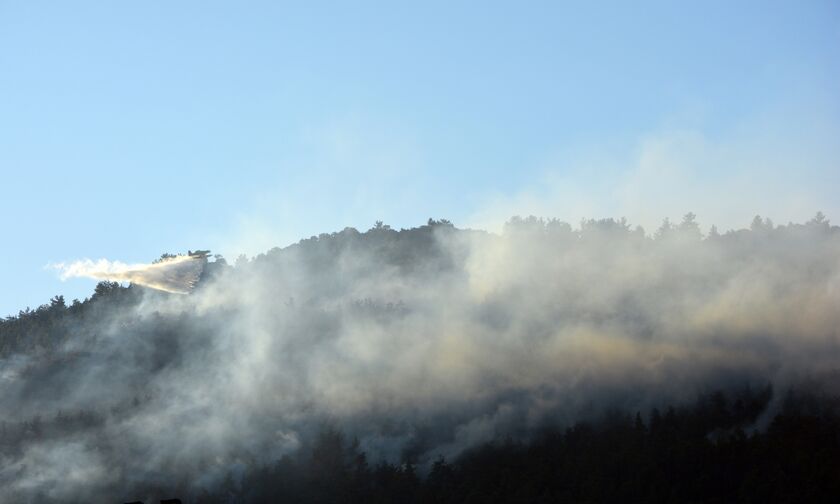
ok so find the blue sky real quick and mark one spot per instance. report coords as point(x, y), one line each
point(128, 129)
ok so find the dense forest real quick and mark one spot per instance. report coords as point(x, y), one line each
point(696, 453)
point(544, 364)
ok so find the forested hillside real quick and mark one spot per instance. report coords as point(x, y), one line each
point(548, 363)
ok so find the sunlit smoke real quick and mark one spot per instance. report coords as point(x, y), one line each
point(418, 343)
point(176, 274)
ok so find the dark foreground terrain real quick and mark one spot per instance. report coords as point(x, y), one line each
point(692, 454)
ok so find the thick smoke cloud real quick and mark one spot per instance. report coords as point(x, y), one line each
point(419, 343)
point(177, 275)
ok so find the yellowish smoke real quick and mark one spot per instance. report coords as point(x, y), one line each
point(177, 274)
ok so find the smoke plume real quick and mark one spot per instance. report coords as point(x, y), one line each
point(419, 343)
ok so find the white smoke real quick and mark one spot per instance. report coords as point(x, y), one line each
point(175, 274)
point(423, 342)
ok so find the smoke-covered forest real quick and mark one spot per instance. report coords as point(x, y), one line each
point(547, 363)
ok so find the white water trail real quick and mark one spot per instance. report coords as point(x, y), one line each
point(176, 275)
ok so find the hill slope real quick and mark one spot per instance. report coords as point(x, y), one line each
point(426, 343)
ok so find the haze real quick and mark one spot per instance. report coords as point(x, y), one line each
point(461, 251)
point(131, 130)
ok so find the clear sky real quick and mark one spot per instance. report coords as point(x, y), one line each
point(129, 129)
